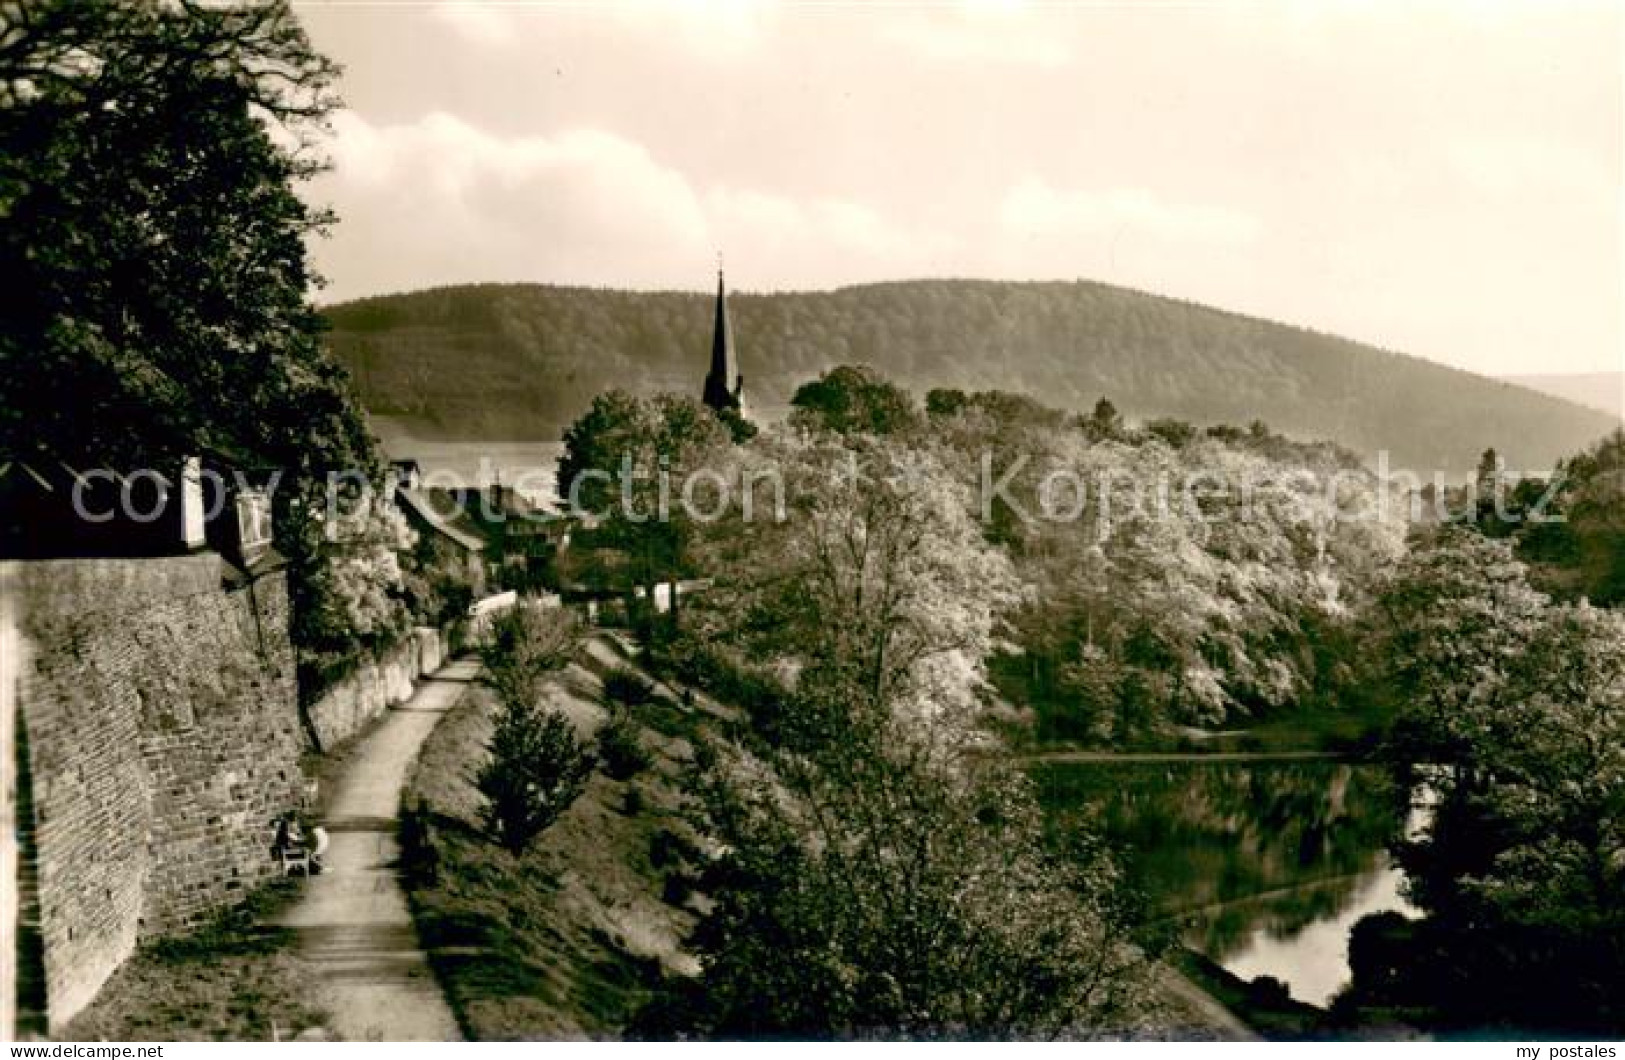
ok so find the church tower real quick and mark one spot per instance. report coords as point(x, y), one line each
point(724, 386)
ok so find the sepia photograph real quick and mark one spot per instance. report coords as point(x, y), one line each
point(740, 521)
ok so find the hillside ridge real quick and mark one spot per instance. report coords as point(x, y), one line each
point(511, 361)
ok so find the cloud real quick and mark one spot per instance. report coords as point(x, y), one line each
point(1128, 236)
point(1034, 209)
point(1315, 162)
point(482, 24)
point(440, 200)
point(713, 28)
point(1509, 167)
point(979, 33)
point(820, 240)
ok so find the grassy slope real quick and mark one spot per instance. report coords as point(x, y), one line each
point(520, 361)
point(565, 941)
point(236, 980)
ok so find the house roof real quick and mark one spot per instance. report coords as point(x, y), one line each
point(51, 475)
point(24, 471)
point(421, 504)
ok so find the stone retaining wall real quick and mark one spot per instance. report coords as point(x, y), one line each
point(159, 713)
point(353, 702)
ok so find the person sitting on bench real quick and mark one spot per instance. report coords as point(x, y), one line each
point(288, 848)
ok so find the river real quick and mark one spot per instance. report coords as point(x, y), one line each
point(1262, 866)
point(527, 467)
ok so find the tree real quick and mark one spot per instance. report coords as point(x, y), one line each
point(536, 770)
point(1488, 472)
point(344, 588)
point(945, 402)
point(1104, 422)
point(1176, 433)
point(1515, 711)
point(740, 429)
point(878, 572)
point(1162, 604)
point(525, 646)
point(620, 748)
point(877, 875)
point(1454, 612)
point(880, 889)
point(614, 430)
point(1596, 511)
point(630, 461)
point(537, 766)
point(1570, 528)
point(154, 241)
point(156, 302)
point(854, 400)
point(628, 687)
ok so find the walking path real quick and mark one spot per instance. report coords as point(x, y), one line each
point(1170, 757)
point(1220, 1020)
point(353, 919)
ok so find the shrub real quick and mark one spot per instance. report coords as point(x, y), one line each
point(677, 889)
point(755, 692)
point(1268, 990)
point(667, 848)
point(1176, 433)
point(420, 852)
point(524, 646)
point(622, 753)
point(536, 770)
point(434, 596)
point(624, 685)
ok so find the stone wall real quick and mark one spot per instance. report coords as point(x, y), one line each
point(352, 703)
point(160, 716)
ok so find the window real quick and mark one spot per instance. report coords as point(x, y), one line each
point(253, 522)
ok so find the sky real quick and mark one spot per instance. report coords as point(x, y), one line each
point(1442, 179)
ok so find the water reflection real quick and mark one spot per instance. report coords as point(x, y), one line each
point(1313, 958)
point(1266, 866)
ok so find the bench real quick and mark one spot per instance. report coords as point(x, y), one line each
point(293, 857)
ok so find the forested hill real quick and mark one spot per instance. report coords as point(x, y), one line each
point(521, 361)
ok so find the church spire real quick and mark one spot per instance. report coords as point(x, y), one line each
point(724, 386)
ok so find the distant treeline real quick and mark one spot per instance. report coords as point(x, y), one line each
point(521, 361)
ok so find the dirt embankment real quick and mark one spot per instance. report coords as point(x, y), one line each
point(568, 939)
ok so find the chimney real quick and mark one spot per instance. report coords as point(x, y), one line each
point(192, 530)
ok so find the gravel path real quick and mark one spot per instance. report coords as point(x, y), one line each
point(353, 918)
point(1171, 757)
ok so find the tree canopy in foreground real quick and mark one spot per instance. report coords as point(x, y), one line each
point(157, 295)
